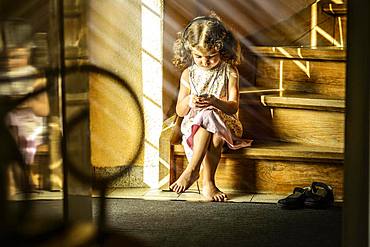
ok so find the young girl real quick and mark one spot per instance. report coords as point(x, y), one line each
point(26, 121)
point(208, 100)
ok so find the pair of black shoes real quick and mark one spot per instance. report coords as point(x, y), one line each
point(319, 195)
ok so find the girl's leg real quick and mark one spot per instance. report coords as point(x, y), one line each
point(191, 173)
point(211, 160)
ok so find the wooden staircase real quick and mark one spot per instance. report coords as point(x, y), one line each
point(294, 111)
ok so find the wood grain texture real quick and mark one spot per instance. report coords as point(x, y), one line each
point(303, 101)
point(282, 151)
point(309, 126)
point(269, 176)
point(335, 9)
point(273, 167)
point(327, 78)
point(301, 53)
point(295, 30)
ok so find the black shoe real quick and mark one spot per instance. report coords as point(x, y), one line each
point(320, 196)
point(295, 200)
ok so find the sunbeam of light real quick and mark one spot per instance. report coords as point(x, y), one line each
point(328, 37)
point(164, 181)
point(118, 122)
point(340, 31)
point(338, 1)
point(171, 90)
point(241, 21)
point(110, 115)
point(304, 67)
point(172, 24)
point(315, 29)
point(152, 64)
point(152, 78)
point(187, 13)
point(100, 24)
point(314, 24)
point(109, 44)
point(273, 13)
point(114, 43)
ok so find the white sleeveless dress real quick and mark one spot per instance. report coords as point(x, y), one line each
point(229, 127)
point(29, 126)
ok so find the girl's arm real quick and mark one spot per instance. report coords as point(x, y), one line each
point(229, 106)
point(184, 97)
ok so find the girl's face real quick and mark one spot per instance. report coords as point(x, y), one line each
point(206, 59)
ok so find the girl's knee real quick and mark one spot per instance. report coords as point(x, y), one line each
point(217, 140)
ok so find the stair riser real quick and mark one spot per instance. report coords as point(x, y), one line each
point(321, 77)
point(270, 176)
point(309, 126)
point(256, 120)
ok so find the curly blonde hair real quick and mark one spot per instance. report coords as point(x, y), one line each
point(206, 32)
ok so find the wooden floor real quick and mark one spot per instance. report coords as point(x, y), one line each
point(157, 194)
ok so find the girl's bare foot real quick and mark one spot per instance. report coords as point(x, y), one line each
point(187, 178)
point(212, 193)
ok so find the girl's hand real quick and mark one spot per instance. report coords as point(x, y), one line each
point(204, 101)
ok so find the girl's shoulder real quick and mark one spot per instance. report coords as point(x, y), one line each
point(185, 77)
point(188, 72)
point(232, 70)
point(231, 67)
point(185, 73)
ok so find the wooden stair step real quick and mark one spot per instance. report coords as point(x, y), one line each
point(293, 117)
point(282, 151)
point(304, 101)
point(301, 53)
point(334, 9)
point(251, 95)
point(316, 71)
point(307, 118)
point(245, 91)
point(273, 168)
